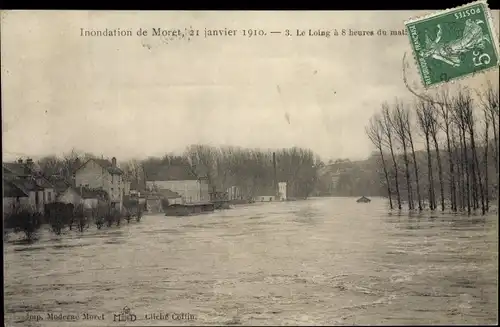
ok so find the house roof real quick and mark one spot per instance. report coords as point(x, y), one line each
point(11, 190)
point(168, 194)
point(42, 181)
point(24, 184)
point(106, 164)
point(60, 184)
point(171, 173)
point(17, 169)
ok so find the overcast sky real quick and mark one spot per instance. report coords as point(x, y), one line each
point(137, 97)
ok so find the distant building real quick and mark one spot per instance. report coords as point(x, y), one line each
point(27, 178)
point(282, 191)
point(105, 175)
point(12, 195)
point(234, 193)
point(153, 201)
point(126, 188)
point(60, 183)
point(89, 198)
point(179, 179)
point(216, 196)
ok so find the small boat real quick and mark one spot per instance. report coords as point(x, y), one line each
point(363, 199)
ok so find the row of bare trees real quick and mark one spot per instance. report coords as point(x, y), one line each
point(251, 170)
point(458, 168)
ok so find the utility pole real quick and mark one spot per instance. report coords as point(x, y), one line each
point(276, 192)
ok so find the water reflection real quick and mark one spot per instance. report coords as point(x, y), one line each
point(321, 261)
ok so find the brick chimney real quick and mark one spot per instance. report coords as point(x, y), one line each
point(113, 161)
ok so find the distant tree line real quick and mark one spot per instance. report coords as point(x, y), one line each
point(459, 170)
point(251, 170)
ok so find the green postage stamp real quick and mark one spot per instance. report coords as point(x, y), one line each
point(454, 43)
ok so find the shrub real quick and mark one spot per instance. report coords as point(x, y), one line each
point(59, 215)
point(101, 214)
point(128, 216)
point(99, 221)
point(24, 221)
point(109, 219)
point(117, 216)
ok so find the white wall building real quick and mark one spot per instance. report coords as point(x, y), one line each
point(282, 191)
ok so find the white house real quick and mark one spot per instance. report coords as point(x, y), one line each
point(87, 197)
point(234, 193)
point(181, 180)
point(126, 188)
point(105, 175)
point(282, 191)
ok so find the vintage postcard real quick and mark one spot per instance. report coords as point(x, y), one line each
point(250, 168)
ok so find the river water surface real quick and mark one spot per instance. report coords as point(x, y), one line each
point(327, 261)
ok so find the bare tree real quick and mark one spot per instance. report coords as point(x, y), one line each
point(489, 99)
point(399, 116)
point(409, 133)
point(375, 133)
point(485, 160)
point(457, 158)
point(446, 118)
point(387, 130)
point(460, 107)
point(424, 117)
point(467, 108)
point(434, 127)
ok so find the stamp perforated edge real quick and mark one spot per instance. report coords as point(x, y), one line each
point(489, 23)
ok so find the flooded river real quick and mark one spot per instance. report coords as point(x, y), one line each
point(327, 261)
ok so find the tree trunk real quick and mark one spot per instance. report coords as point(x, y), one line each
point(408, 180)
point(453, 193)
point(485, 159)
point(386, 178)
point(476, 171)
point(495, 138)
point(457, 157)
point(473, 173)
point(465, 160)
point(395, 165)
point(440, 169)
point(429, 173)
point(410, 138)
